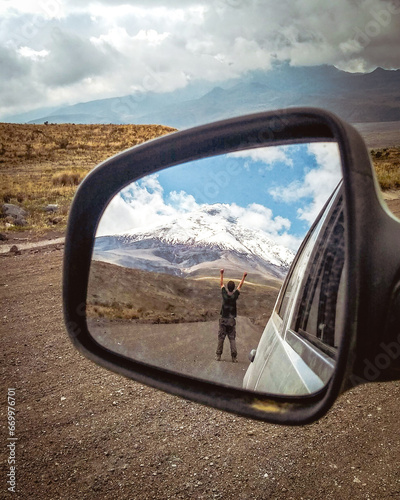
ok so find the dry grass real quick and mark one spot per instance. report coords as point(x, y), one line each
point(120, 293)
point(43, 164)
point(387, 166)
point(67, 178)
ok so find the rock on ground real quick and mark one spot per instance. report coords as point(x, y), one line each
point(15, 214)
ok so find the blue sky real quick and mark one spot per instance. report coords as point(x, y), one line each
point(239, 179)
point(277, 189)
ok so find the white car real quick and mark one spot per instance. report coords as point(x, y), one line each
point(296, 353)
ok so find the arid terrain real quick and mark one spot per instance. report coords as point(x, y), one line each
point(85, 433)
point(123, 293)
point(42, 165)
point(169, 320)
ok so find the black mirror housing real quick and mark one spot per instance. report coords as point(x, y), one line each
point(370, 317)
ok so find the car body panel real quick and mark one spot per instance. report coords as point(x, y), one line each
point(285, 361)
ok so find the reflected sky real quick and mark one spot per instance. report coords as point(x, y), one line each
point(277, 189)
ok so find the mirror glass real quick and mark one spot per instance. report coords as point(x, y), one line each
point(156, 291)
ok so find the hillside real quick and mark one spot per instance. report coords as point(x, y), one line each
point(43, 164)
point(356, 97)
point(200, 241)
point(130, 294)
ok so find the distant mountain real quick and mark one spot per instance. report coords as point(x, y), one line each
point(197, 244)
point(29, 116)
point(119, 110)
point(356, 97)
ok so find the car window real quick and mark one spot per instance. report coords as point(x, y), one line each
point(294, 286)
point(318, 311)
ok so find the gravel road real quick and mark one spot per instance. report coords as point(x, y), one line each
point(85, 433)
point(191, 346)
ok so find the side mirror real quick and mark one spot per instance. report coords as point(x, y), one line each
point(151, 227)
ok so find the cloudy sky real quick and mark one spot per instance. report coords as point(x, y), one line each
point(279, 190)
point(55, 52)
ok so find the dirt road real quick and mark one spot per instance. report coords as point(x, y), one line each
point(191, 346)
point(85, 433)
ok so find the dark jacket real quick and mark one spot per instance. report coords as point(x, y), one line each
point(228, 309)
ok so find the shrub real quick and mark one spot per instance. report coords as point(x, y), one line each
point(68, 178)
point(63, 143)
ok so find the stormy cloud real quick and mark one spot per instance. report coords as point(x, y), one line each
point(54, 52)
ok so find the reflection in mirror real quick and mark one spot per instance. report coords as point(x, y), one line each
point(304, 332)
point(156, 292)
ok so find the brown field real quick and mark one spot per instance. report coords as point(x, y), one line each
point(43, 164)
point(387, 166)
point(119, 293)
point(130, 310)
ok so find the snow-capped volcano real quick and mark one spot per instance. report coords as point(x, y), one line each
point(196, 243)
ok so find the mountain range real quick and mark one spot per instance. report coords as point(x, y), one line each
point(197, 244)
point(355, 97)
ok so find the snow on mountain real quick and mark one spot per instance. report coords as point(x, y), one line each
point(195, 244)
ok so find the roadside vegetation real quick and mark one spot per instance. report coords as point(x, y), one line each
point(42, 165)
point(387, 166)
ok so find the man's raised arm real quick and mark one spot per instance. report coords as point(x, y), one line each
point(221, 278)
point(241, 283)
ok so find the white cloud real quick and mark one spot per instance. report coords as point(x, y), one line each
point(259, 217)
point(183, 201)
point(49, 9)
point(151, 36)
point(144, 204)
point(267, 155)
point(118, 218)
point(35, 55)
point(141, 204)
point(256, 216)
point(317, 184)
point(184, 41)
